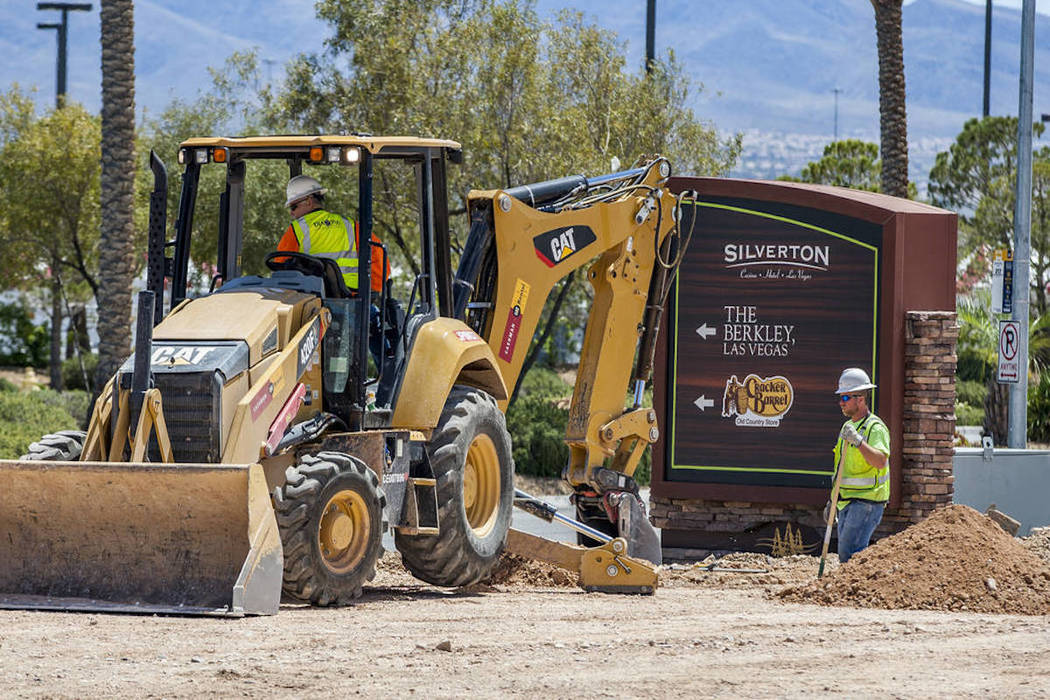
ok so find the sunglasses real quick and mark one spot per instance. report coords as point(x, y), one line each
point(844, 398)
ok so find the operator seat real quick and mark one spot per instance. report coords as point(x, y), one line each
point(334, 284)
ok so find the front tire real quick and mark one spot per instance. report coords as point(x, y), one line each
point(330, 512)
point(470, 453)
point(63, 446)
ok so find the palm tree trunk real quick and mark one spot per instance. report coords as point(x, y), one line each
point(117, 184)
point(996, 410)
point(893, 120)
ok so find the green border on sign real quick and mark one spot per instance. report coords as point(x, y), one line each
point(874, 335)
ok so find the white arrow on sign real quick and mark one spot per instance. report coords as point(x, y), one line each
point(705, 332)
point(703, 402)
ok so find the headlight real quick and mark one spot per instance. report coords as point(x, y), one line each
point(201, 156)
point(352, 155)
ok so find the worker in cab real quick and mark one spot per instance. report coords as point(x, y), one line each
point(865, 484)
point(316, 231)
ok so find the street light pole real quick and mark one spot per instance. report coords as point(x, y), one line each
point(650, 35)
point(987, 55)
point(836, 91)
point(63, 32)
point(1017, 433)
point(60, 80)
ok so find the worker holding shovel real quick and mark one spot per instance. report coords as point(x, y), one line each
point(862, 479)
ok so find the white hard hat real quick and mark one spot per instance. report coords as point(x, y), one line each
point(300, 187)
point(854, 379)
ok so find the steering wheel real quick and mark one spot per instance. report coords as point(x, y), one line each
point(297, 262)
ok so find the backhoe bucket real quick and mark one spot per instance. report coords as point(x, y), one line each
point(125, 537)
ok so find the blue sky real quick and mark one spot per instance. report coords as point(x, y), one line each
point(162, 24)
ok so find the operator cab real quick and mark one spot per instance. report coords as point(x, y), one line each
point(365, 347)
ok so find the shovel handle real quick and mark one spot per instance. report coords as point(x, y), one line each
point(831, 511)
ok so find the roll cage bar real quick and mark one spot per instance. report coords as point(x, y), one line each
point(432, 288)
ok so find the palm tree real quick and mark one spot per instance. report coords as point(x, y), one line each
point(117, 185)
point(893, 119)
point(979, 331)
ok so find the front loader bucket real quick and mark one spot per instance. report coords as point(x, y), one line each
point(124, 537)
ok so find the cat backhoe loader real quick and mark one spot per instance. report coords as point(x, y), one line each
point(264, 434)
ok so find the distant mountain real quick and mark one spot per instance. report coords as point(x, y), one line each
point(769, 67)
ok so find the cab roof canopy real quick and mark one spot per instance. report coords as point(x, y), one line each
point(373, 144)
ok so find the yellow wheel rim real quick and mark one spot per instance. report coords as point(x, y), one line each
point(481, 485)
point(343, 535)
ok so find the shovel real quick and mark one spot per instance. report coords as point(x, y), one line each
point(832, 511)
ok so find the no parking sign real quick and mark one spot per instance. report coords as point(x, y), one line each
point(1009, 344)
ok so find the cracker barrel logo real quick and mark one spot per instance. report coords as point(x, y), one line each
point(756, 401)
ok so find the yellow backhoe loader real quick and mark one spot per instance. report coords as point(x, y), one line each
point(265, 434)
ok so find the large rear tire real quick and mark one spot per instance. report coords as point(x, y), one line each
point(330, 512)
point(470, 454)
point(63, 446)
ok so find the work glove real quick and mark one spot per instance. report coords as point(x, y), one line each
point(827, 511)
point(850, 435)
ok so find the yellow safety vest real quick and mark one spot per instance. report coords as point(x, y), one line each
point(328, 235)
point(860, 480)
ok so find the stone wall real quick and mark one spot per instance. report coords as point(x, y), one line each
point(929, 418)
point(926, 453)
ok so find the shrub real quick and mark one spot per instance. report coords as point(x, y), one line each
point(965, 414)
point(971, 366)
point(542, 382)
point(25, 417)
point(7, 386)
point(73, 378)
point(1039, 409)
point(537, 430)
point(971, 391)
point(75, 403)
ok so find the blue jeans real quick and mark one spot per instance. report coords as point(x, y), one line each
point(856, 521)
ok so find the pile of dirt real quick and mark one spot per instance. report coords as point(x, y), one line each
point(513, 571)
point(957, 559)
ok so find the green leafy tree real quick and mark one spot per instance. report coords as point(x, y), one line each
point(977, 177)
point(17, 113)
point(50, 170)
point(983, 156)
point(527, 100)
point(849, 163)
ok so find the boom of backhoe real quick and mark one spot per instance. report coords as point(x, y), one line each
point(624, 229)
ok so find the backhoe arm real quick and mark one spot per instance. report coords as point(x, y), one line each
point(526, 239)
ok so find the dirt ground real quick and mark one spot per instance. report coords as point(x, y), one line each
point(531, 632)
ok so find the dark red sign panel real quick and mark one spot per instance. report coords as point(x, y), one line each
point(772, 302)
